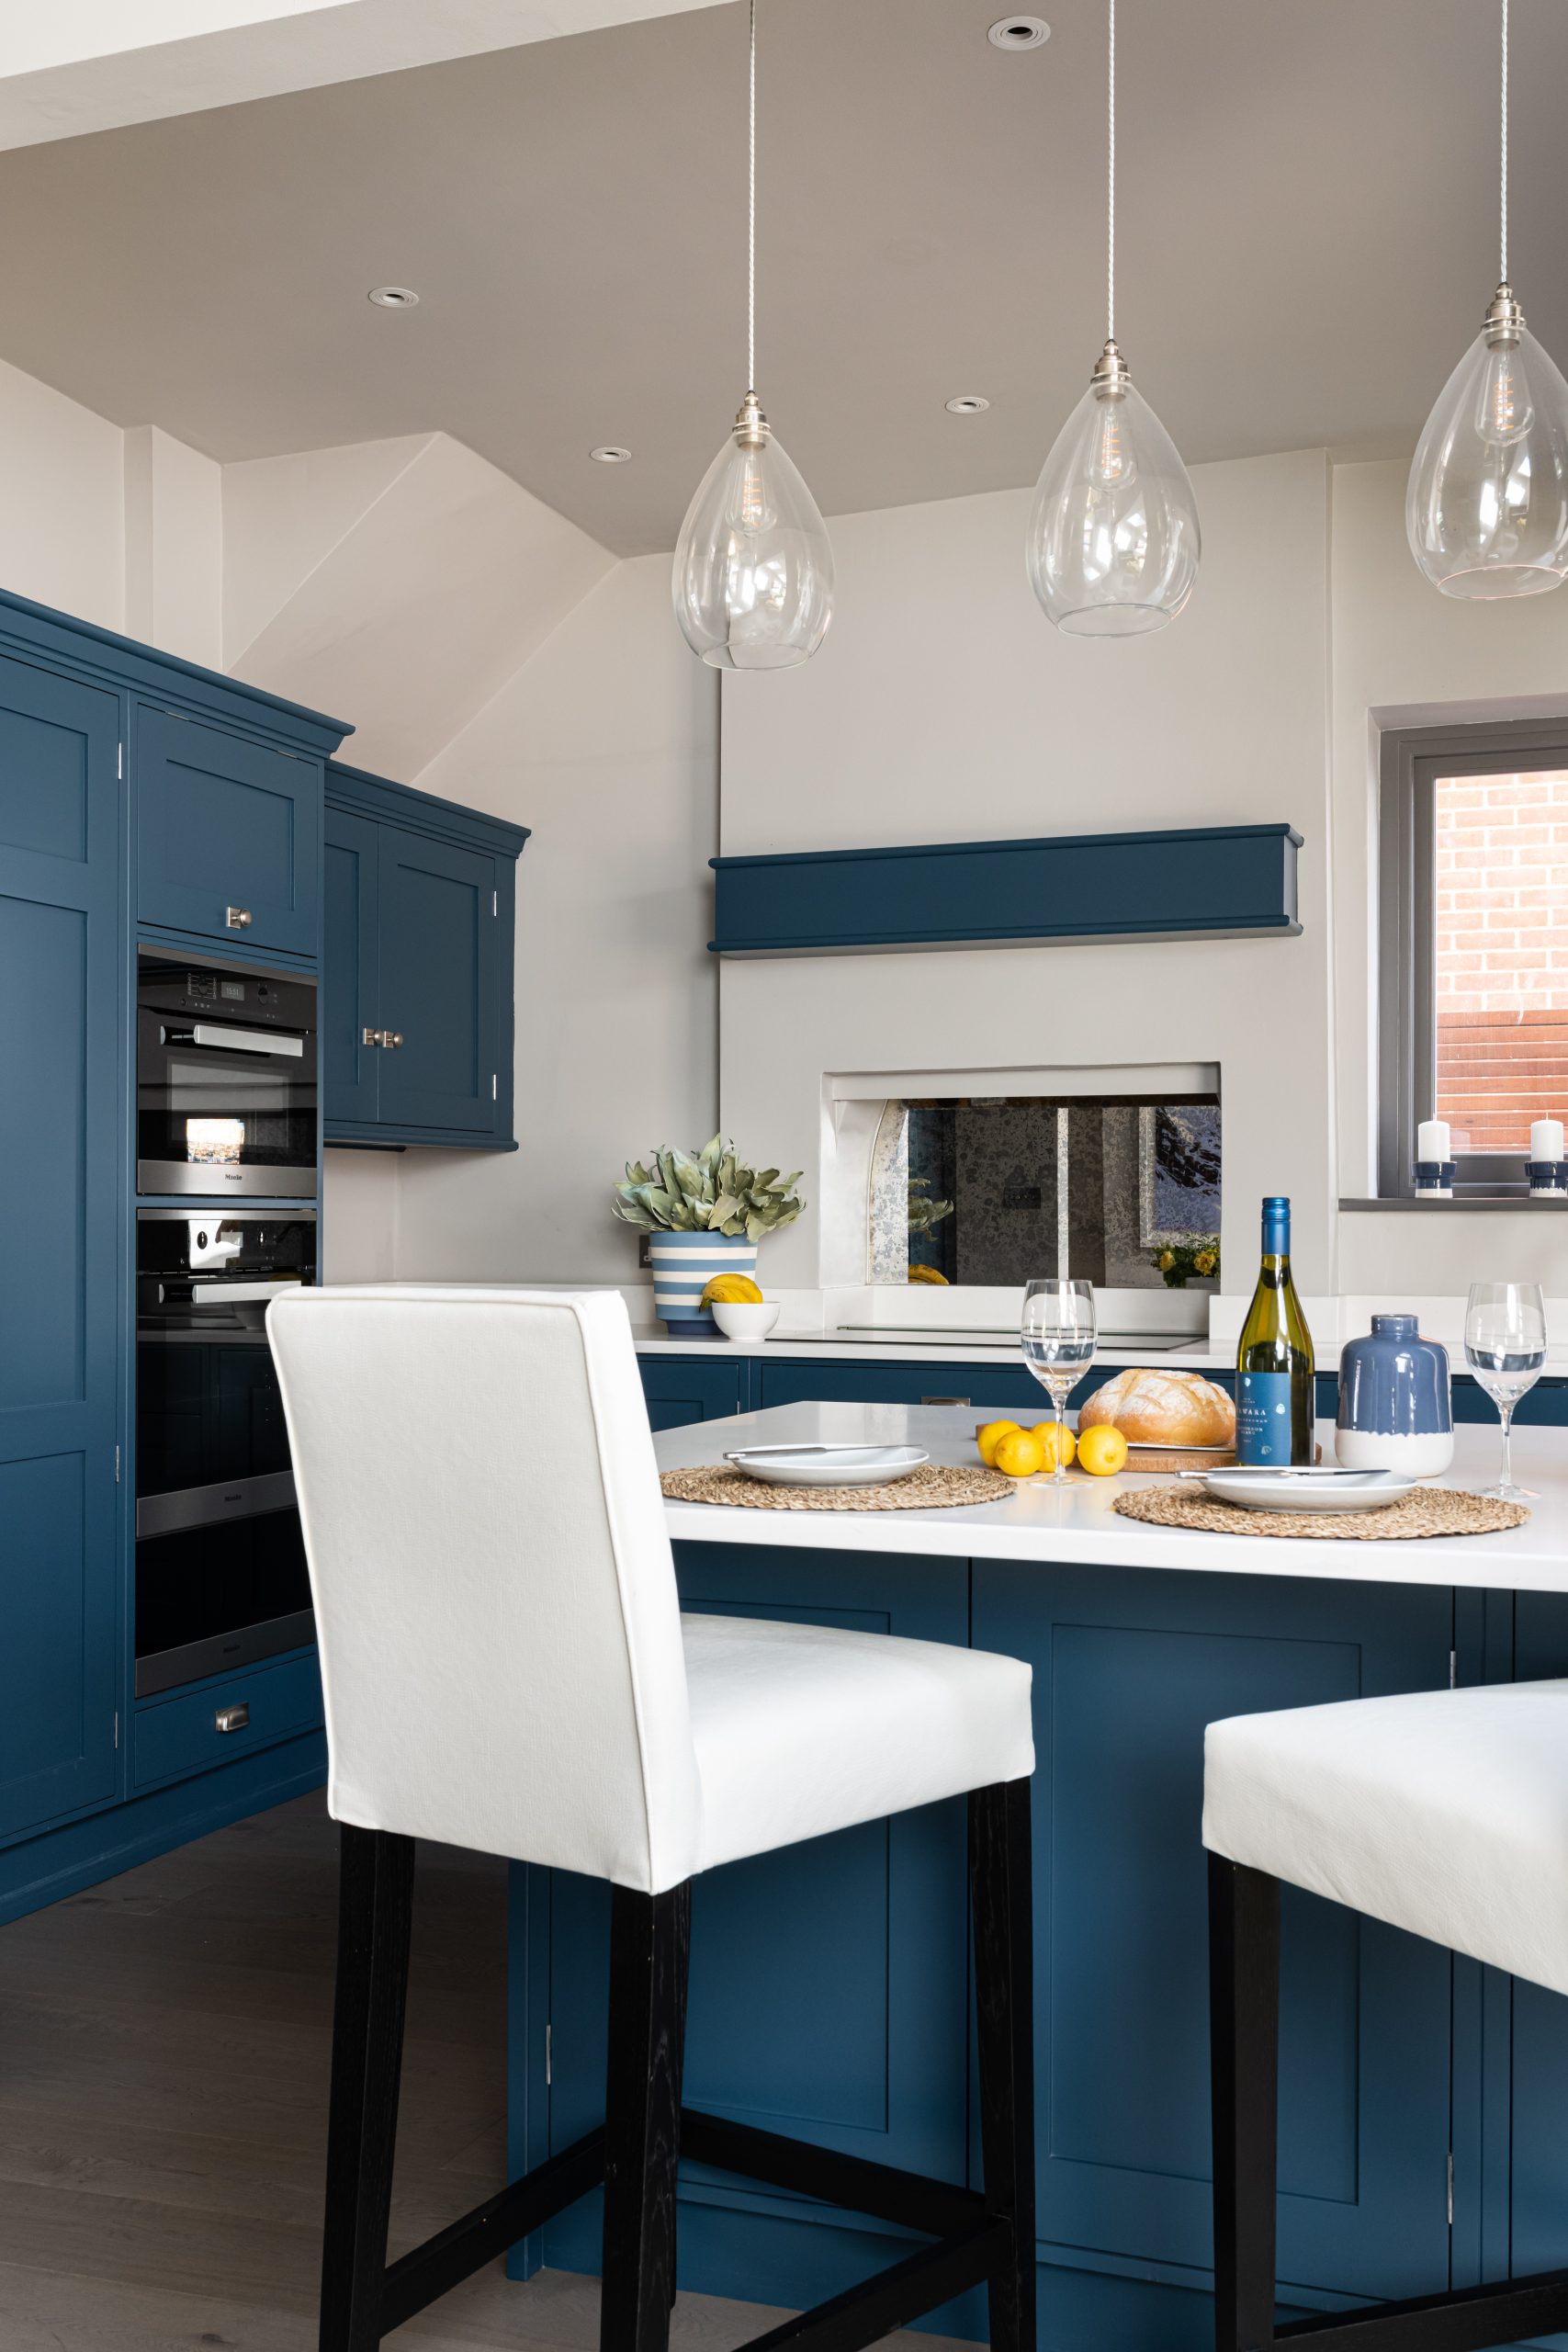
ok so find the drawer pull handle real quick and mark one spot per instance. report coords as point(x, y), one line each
point(235, 1718)
point(944, 1401)
point(237, 918)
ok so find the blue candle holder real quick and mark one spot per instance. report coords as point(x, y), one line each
point(1435, 1179)
point(1547, 1177)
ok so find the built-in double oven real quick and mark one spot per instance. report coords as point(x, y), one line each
point(226, 1108)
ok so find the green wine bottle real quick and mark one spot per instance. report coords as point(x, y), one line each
point(1274, 1362)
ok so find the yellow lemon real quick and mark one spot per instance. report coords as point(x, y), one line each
point(990, 1437)
point(1102, 1451)
point(1019, 1454)
point(732, 1290)
point(927, 1275)
point(1046, 1432)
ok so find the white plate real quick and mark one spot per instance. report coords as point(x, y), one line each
point(829, 1465)
point(1308, 1490)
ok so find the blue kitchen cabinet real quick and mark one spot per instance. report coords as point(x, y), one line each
point(828, 1992)
point(681, 1389)
point(228, 835)
point(1128, 1669)
point(993, 1387)
point(417, 1017)
point(61, 1187)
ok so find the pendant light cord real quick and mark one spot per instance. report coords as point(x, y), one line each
point(1110, 173)
point(1503, 176)
point(752, 217)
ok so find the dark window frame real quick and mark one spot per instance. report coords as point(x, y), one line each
point(1411, 759)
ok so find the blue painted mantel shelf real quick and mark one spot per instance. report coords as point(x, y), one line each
point(1203, 881)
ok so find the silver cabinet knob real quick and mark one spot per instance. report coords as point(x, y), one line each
point(237, 918)
point(372, 1037)
point(392, 1037)
point(235, 1718)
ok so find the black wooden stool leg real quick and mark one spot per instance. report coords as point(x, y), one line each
point(650, 1937)
point(375, 1911)
point(999, 1877)
point(1244, 2060)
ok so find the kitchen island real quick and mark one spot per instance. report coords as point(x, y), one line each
point(1420, 2094)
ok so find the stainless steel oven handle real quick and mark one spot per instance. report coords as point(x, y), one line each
point(246, 1041)
point(236, 1294)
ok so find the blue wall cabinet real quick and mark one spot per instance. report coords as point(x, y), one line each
point(60, 1196)
point(1127, 1671)
point(228, 835)
point(828, 1989)
point(418, 949)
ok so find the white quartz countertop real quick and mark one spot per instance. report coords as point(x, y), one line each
point(1191, 1355)
point(1041, 1524)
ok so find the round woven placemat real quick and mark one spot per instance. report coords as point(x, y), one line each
point(933, 1482)
point(1426, 1511)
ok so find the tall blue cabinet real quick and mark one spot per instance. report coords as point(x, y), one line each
point(142, 799)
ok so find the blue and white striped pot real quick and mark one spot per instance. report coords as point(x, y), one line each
point(684, 1265)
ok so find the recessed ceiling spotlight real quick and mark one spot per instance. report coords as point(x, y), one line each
point(1018, 32)
point(610, 453)
point(393, 297)
point(966, 404)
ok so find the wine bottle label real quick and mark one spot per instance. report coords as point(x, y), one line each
point(1263, 1417)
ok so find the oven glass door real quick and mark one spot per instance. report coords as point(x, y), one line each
point(226, 1082)
point(220, 1575)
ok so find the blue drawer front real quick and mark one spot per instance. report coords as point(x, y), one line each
point(682, 1390)
point(182, 1734)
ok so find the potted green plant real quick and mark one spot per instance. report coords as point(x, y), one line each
point(704, 1214)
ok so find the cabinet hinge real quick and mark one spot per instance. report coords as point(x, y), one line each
point(117, 1728)
point(549, 2050)
point(1453, 1669)
point(495, 903)
point(120, 761)
point(494, 1088)
point(116, 1465)
point(1450, 2189)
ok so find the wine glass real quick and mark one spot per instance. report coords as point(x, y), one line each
point(1504, 1346)
point(1059, 1333)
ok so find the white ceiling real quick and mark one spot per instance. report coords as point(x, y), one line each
point(1307, 212)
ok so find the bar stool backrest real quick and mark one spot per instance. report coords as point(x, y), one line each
point(494, 1593)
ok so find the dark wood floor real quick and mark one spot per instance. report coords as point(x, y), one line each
point(164, 2046)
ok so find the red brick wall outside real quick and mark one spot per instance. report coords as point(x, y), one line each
point(1502, 956)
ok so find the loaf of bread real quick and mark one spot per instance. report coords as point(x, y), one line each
point(1163, 1408)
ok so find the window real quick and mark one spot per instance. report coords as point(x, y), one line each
point(1475, 947)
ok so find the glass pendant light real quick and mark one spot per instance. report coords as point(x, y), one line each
point(1113, 537)
point(1486, 508)
point(753, 576)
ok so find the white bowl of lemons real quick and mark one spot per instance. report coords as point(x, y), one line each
point(739, 1307)
point(745, 1320)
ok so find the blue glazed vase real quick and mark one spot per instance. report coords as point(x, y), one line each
point(684, 1265)
point(1395, 1411)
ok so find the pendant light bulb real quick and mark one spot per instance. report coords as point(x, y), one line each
point(753, 571)
point(1113, 543)
point(753, 575)
point(1486, 505)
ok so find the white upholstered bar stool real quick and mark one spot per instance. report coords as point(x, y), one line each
point(505, 1667)
point(1444, 1812)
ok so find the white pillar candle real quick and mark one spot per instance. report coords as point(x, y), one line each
point(1432, 1140)
point(1546, 1139)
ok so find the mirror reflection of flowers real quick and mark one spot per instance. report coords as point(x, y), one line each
point(1179, 1262)
point(924, 1216)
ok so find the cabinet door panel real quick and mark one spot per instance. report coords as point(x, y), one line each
point(59, 1194)
point(829, 1981)
point(682, 1390)
point(350, 1068)
point(222, 822)
point(1127, 1672)
point(438, 981)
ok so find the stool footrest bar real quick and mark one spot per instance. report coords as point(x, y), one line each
point(453, 2254)
point(908, 2291)
point(908, 2199)
point(1510, 2312)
